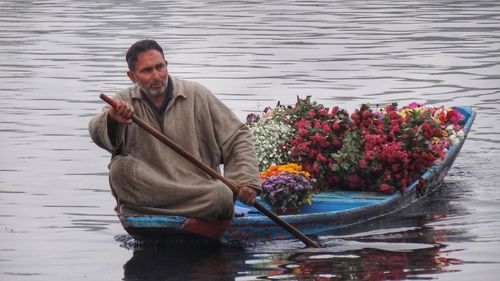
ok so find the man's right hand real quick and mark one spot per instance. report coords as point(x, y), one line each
point(122, 113)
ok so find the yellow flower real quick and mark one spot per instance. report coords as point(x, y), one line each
point(403, 113)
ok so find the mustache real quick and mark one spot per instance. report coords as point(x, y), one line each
point(157, 83)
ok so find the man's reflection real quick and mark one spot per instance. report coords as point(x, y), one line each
point(181, 262)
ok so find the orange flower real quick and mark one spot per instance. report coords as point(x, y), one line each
point(275, 170)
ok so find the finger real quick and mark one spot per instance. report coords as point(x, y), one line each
point(130, 113)
point(246, 196)
point(241, 197)
point(125, 110)
point(122, 108)
point(250, 201)
point(119, 105)
point(119, 109)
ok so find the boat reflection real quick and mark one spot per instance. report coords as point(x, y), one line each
point(366, 263)
point(412, 244)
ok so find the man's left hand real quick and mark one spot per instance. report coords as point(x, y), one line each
point(247, 195)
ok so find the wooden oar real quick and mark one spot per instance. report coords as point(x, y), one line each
point(172, 145)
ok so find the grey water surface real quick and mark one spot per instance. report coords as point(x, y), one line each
point(56, 210)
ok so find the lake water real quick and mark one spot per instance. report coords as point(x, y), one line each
point(56, 211)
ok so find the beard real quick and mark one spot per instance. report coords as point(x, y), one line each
point(156, 91)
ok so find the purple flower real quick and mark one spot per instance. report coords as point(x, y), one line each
point(252, 118)
point(287, 190)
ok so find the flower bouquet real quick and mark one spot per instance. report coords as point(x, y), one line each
point(286, 187)
point(383, 149)
point(387, 149)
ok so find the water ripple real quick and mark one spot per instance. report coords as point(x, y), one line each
point(57, 56)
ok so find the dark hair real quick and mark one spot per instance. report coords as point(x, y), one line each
point(138, 48)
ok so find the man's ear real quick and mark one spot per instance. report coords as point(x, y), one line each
point(131, 75)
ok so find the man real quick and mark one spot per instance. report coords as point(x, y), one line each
point(146, 177)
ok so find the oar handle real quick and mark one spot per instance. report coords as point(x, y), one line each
point(184, 153)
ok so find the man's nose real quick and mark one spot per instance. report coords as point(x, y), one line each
point(156, 74)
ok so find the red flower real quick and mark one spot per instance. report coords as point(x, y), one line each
point(355, 181)
point(315, 167)
point(323, 112)
point(319, 139)
point(321, 158)
point(385, 187)
point(380, 150)
point(303, 132)
point(326, 128)
point(302, 123)
point(395, 167)
point(355, 117)
point(442, 117)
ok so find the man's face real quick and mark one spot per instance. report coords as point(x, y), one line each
point(150, 73)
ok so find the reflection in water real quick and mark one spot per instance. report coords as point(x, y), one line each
point(368, 264)
point(227, 264)
point(180, 264)
point(383, 250)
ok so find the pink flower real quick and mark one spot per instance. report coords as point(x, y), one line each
point(414, 105)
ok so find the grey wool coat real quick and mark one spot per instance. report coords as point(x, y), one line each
point(147, 177)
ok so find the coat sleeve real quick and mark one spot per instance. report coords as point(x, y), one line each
point(240, 160)
point(107, 134)
point(236, 144)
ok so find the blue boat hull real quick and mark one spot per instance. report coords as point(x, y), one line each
point(329, 211)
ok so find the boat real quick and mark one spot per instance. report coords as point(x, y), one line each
point(330, 210)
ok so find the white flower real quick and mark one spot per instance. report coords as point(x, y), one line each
point(454, 139)
point(269, 137)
